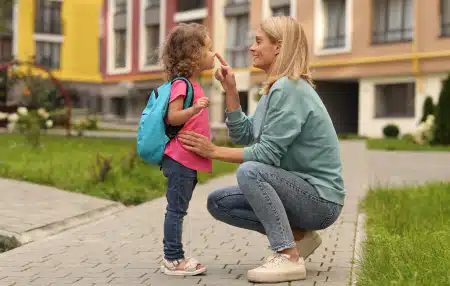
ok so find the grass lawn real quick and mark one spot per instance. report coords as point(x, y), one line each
point(66, 163)
point(402, 145)
point(408, 236)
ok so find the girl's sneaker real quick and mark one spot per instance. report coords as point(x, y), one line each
point(278, 269)
point(189, 269)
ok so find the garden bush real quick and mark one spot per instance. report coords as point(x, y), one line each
point(442, 121)
point(428, 108)
point(391, 131)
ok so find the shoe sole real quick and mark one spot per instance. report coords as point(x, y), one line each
point(276, 278)
point(181, 272)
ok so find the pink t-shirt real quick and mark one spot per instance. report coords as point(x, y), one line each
point(198, 123)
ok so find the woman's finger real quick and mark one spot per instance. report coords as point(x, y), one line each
point(221, 59)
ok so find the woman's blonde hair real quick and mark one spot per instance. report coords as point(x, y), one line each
point(293, 59)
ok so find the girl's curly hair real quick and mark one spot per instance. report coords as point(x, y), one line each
point(183, 50)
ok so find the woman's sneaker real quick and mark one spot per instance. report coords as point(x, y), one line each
point(278, 269)
point(309, 243)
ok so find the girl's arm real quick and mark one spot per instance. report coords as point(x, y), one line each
point(176, 115)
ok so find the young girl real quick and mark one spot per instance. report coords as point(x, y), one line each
point(187, 52)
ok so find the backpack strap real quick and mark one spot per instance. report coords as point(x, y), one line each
point(171, 131)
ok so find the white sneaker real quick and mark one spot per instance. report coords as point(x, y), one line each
point(309, 243)
point(278, 269)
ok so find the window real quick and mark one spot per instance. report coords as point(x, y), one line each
point(335, 15)
point(395, 100)
point(48, 17)
point(184, 5)
point(445, 17)
point(153, 3)
point(48, 54)
point(392, 21)
point(237, 2)
point(121, 7)
point(5, 48)
point(152, 35)
point(120, 36)
point(281, 11)
point(238, 41)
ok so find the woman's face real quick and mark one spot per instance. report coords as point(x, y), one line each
point(263, 51)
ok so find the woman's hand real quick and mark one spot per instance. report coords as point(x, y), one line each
point(197, 143)
point(225, 75)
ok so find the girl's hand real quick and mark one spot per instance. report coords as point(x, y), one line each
point(200, 104)
point(197, 143)
point(225, 75)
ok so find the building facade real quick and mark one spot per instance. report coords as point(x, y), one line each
point(62, 36)
point(374, 61)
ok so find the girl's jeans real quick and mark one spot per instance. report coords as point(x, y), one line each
point(272, 201)
point(181, 182)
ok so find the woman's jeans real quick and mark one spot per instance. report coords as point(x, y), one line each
point(181, 182)
point(272, 201)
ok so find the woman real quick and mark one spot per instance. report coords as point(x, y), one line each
point(289, 180)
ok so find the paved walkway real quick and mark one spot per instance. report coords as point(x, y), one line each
point(30, 212)
point(125, 248)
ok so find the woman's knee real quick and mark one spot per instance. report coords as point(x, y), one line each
point(248, 171)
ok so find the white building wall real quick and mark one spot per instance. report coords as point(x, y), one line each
point(369, 125)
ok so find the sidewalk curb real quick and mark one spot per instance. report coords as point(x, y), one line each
point(65, 224)
point(360, 236)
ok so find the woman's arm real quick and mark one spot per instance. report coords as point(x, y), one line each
point(227, 154)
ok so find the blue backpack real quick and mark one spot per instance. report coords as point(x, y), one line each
point(153, 132)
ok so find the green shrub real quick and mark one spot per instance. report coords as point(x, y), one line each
point(428, 108)
point(391, 131)
point(442, 122)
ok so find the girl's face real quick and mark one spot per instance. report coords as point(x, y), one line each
point(207, 61)
point(263, 51)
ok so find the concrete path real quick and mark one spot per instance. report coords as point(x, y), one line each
point(30, 212)
point(126, 248)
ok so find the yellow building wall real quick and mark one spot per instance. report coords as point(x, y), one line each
point(80, 48)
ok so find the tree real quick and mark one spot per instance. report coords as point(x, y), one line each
point(428, 108)
point(442, 131)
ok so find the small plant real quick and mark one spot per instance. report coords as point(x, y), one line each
point(425, 131)
point(101, 168)
point(428, 108)
point(8, 243)
point(128, 162)
point(29, 123)
point(89, 123)
point(391, 131)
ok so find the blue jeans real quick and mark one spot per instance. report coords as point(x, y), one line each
point(181, 182)
point(272, 201)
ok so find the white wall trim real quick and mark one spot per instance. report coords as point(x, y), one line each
point(15, 28)
point(49, 38)
point(319, 26)
point(111, 69)
point(142, 36)
point(293, 8)
point(190, 15)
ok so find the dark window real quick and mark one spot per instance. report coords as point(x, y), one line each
point(153, 3)
point(281, 11)
point(334, 11)
point(238, 41)
point(152, 32)
point(392, 21)
point(5, 48)
point(48, 17)
point(184, 5)
point(120, 48)
point(445, 17)
point(395, 100)
point(48, 54)
point(121, 7)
